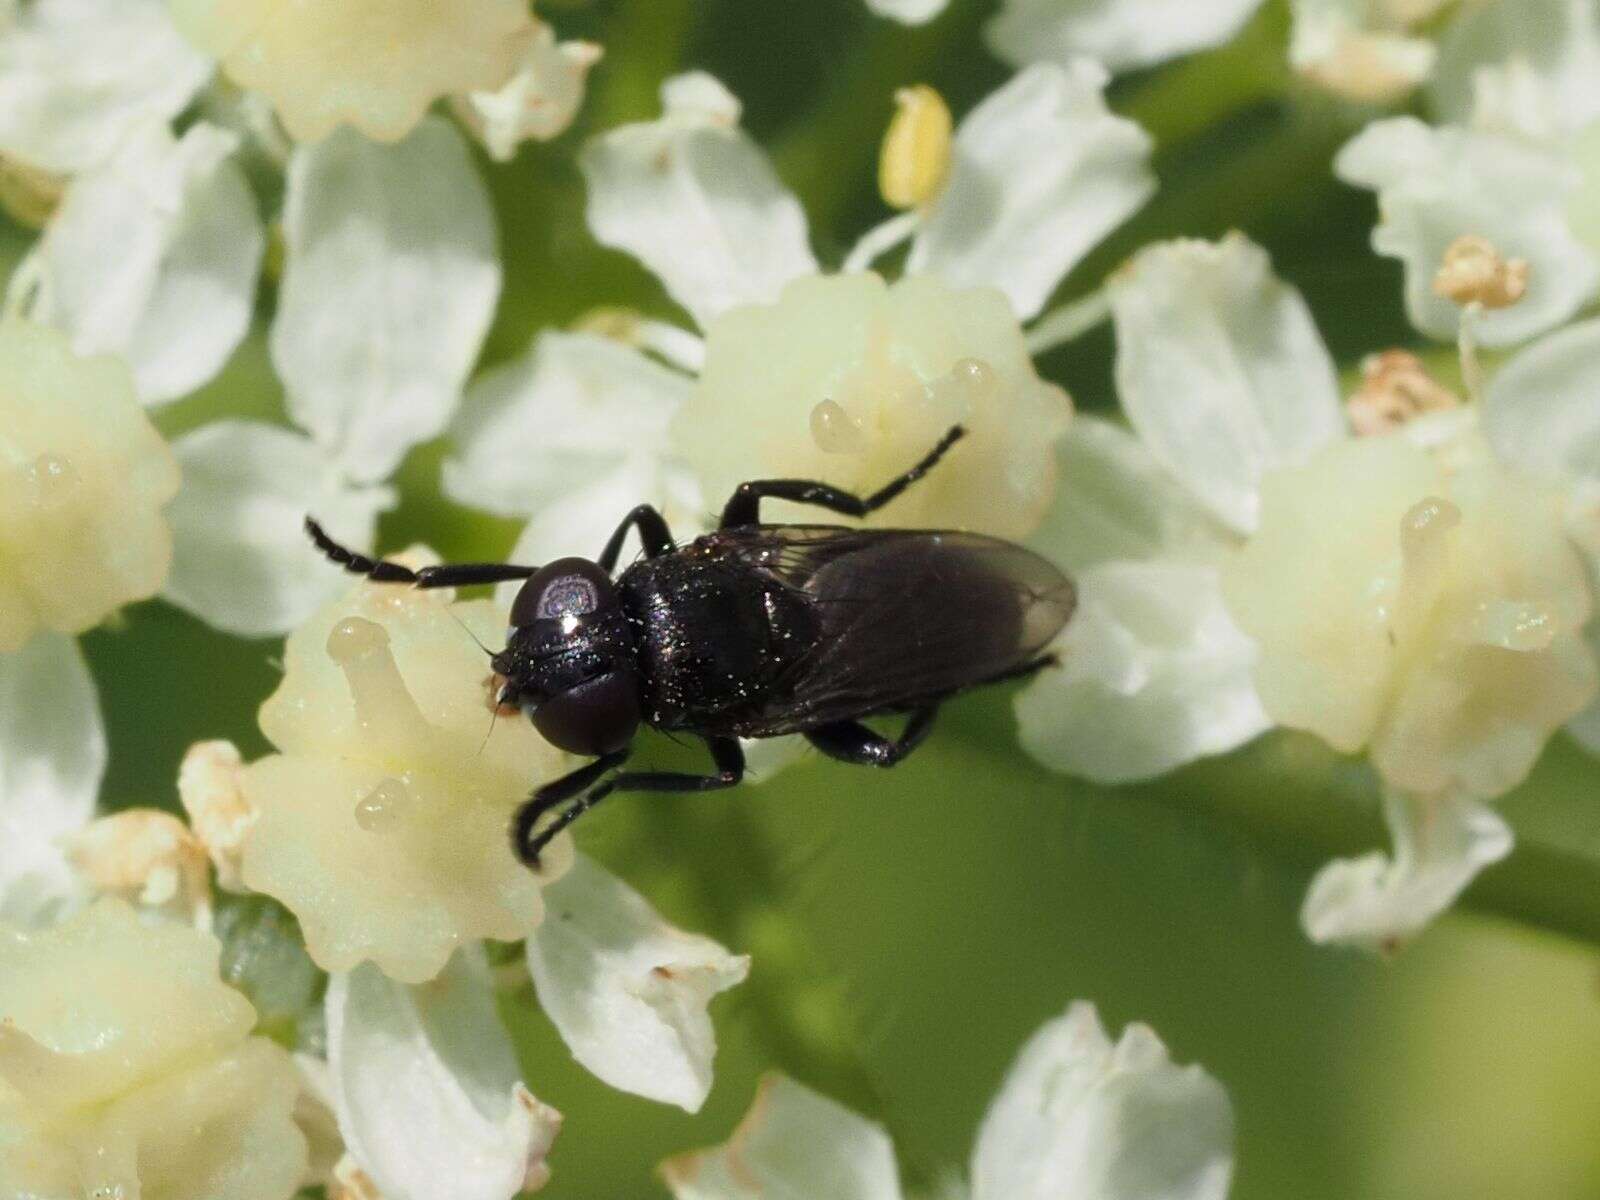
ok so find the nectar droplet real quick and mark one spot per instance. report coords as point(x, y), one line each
point(384, 806)
point(51, 478)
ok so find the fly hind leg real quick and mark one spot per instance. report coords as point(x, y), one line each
point(744, 506)
point(725, 753)
point(853, 742)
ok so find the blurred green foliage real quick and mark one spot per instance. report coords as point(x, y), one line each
point(910, 929)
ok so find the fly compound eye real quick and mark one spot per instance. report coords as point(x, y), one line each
point(567, 587)
point(598, 716)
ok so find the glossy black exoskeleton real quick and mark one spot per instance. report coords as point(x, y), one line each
point(753, 631)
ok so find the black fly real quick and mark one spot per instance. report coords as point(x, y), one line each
point(753, 631)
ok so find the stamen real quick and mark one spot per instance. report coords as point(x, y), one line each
point(1474, 273)
point(1068, 323)
point(1395, 390)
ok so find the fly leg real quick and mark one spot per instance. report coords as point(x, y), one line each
point(853, 742)
point(552, 794)
point(744, 506)
point(725, 752)
point(653, 535)
point(381, 570)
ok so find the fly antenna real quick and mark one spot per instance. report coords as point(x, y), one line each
point(494, 715)
point(468, 631)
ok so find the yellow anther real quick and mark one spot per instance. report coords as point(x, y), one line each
point(610, 321)
point(1474, 273)
point(916, 148)
point(27, 194)
point(1395, 389)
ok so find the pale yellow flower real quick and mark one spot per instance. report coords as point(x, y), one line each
point(83, 479)
point(851, 380)
point(374, 64)
point(383, 821)
point(1431, 615)
point(127, 1069)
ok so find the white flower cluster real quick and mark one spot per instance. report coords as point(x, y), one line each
point(1423, 592)
point(1414, 580)
point(840, 376)
point(143, 284)
point(154, 242)
point(139, 290)
point(381, 824)
point(1420, 593)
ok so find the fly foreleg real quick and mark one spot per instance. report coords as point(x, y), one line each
point(725, 753)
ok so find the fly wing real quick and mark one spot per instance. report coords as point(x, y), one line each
point(902, 616)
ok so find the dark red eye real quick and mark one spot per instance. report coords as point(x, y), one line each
point(596, 717)
point(567, 587)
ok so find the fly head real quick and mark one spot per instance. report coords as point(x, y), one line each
point(569, 661)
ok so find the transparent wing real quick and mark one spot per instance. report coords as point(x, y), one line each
point(901, 616)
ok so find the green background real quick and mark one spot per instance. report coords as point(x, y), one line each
point(910, 929)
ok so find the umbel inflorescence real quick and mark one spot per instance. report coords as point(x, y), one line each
point(313, 976)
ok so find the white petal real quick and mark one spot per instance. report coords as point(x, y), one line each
point(155, 257)
point(581, 521)
point(77, 75)
point(792, 1143)
point(1542, 410)
point(1042, 171)
point(389, 284)
point(426, 1088)
point(693, 198)
point(241, 561)
point(1436, 185)
point(1153, 674)
point(1082, 1117)
point(1220, 369)
point(907, 12)
point(572, 409)
point(1376, 902)
point(1554, 45)
point(52, 755)
point(1120, 33)
point(627, 991)
point(538, 102)
point(1115, 501)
